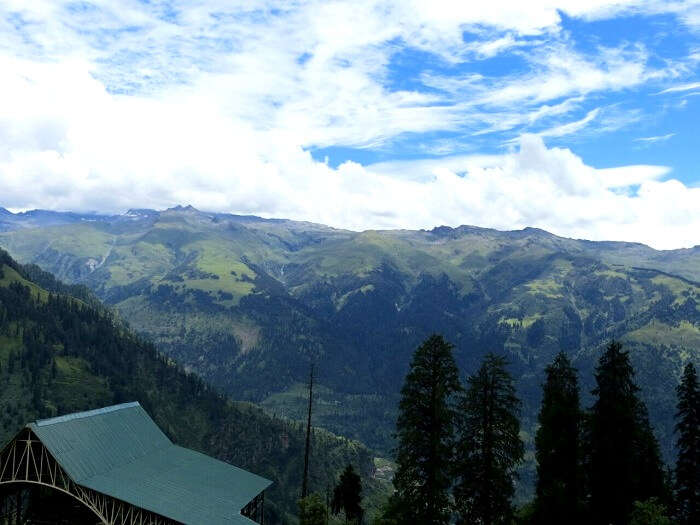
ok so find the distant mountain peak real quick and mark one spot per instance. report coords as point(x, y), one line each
point(532, 229)
point(448, 231)
point(140, 212)
point(179, 208)
point(5, 212)
point(442, 230)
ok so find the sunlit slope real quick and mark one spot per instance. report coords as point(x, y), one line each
point(248, 303)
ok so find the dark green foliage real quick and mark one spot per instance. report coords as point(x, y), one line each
point(390, 513)
point(535, 334)
point(59, 355)
point(625, 464)
point(48, 282)
point(425, 431)
point(688, 446)
point(649, 512)
point(312, 510)
point(361, 301)
point(347, 496)
point(490, 447)
point(557, 447)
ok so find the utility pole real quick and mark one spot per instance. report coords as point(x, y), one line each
point(305, 484)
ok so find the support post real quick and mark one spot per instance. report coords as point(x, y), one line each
point(305, 482)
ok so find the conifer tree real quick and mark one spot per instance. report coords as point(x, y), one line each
point(347, 496)
point(389, 513)
point(425, 432)
point(624, 464)
point(652, 482)
point(649, 512)
point(688, 446)
point(312, 510)
point(557, 447)
point(489, 448)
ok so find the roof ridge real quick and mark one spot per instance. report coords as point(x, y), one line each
point(87, 413)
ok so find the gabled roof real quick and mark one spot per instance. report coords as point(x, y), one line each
point(119, 451)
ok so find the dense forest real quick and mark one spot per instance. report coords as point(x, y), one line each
point(61, 352)
point(459, 446)
point(247, 302)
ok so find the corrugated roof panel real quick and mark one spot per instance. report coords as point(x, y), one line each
point(213, 492)
point(98, 441)
point(121, 452)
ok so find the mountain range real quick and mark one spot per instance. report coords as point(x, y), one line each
point(248, 303)
point(61, 351)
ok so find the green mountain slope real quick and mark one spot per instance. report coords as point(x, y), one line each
point(247, 303)
point(60, 354)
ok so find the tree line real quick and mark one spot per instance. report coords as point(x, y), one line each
point(459, 447)
point(60, 355)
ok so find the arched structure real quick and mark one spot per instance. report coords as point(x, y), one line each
point(119, 465)
point(26, 461)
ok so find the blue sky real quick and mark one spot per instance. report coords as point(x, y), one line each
point(636, 124)
point(576, 117)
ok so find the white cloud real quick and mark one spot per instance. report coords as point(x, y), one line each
point(556, 84)
point(246, 55)
point(184, 150)
point(629, 176)
point(682, 87)
point(214, 104)
point(558, 72)
point(570, 127)
point(656, 138)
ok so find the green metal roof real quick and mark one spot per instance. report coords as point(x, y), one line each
point(121, 452)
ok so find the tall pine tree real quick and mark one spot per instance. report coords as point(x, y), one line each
point(347, 496)
point(425, 432)
point(624, 464)
point(557, 447)
point(489, 448)
point(688, 445)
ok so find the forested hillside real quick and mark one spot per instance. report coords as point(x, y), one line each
point(460, 445)
point(247, 303)
point(61, 352)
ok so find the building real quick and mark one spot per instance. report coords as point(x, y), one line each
point(115, 466)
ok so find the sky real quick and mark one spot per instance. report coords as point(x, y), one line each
point(578, 117)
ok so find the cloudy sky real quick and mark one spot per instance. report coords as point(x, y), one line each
point(579, 117)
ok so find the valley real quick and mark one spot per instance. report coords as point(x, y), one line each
point(248, 303)
point(61, 352)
